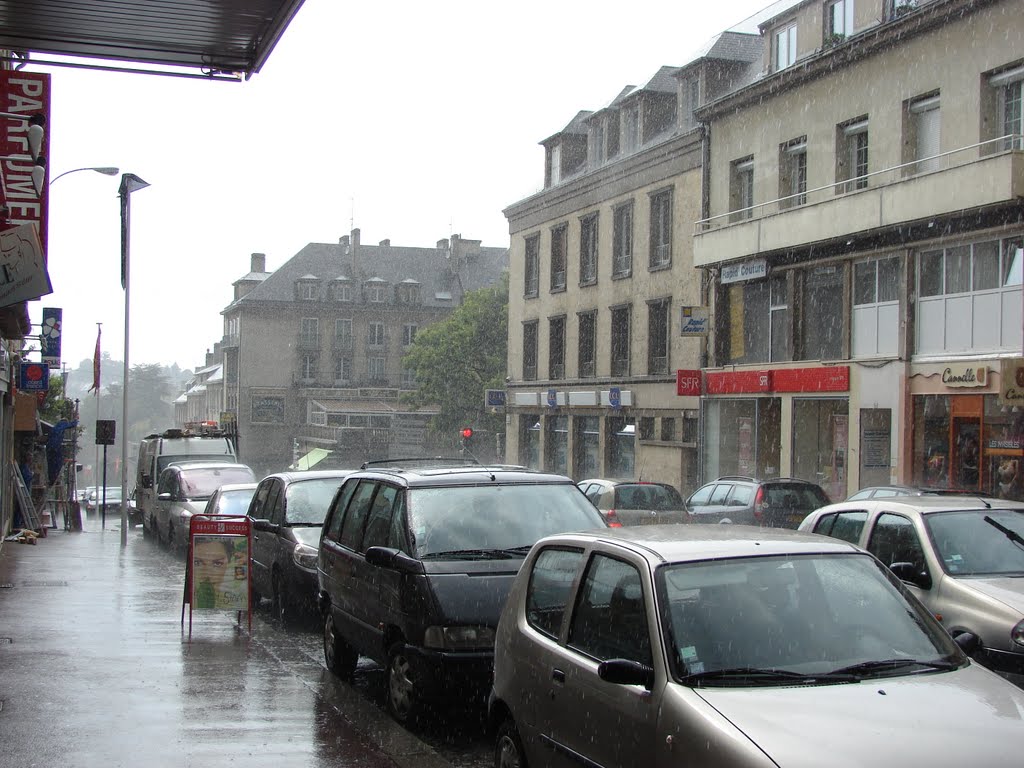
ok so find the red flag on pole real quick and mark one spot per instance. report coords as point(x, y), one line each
point(96, 363)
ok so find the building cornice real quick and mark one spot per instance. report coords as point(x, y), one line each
point(659, 162)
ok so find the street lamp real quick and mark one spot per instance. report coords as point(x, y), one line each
point(105, 170)
point(129, 183)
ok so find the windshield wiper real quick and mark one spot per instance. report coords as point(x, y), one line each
point(868, 668)
point(767, 676)
point(471, 554)
point(1013, 536)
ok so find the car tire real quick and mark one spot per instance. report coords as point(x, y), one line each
point(400, 686)
point(508, 748)
point(282, 610)
point(339, 656)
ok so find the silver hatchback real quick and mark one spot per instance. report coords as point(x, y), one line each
point(962, 556)
point(733, 646)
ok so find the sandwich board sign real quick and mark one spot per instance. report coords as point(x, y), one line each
point(218, 569)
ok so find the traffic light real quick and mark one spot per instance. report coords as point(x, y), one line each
point(467, 437)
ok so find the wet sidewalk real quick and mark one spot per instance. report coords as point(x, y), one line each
point(96, 670)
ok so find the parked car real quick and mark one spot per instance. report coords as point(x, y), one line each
point(183, 490)
point(780, 502)
point(639, 502)
point(415, 564)
point(110, 503)
point(962, 556)
point(287, 513)
point(230, 499)
point(733, 646)
point(886, 491)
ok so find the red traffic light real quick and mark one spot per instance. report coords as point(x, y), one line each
point(467, 433)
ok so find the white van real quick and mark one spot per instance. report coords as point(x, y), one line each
point(157, 452)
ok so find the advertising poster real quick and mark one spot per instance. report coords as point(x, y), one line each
point(745, 445)
point(220, 573)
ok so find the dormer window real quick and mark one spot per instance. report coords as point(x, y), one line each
point(409, 292)
point(784, 46)
point(341, 289)
point(307, 288)
point(375, 290)
point(631, 128)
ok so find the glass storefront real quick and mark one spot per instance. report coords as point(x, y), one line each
point(742, 437)
point(529, 440)
point(587, 447)
point(821, 430)
point(621, 447)
point(556, 445)
point(968, 442)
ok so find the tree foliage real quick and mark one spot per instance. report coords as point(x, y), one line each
point(458, 358)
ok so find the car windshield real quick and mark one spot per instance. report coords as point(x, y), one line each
point(968, 544)
point(807, 615)
point(308, 500)
point(495, 517)
point(200, 483)
point(647, 496)
point(234, 502)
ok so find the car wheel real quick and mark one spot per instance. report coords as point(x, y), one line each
point(339, 656)
point(403, 703)
point(282, 609)
point(508, 749)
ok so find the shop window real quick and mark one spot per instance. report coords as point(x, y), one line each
point(529, 440)
point(876, 308)
point(820, 440)
point(556, 447)
point(742, 437)
point(587, 446)
point(621, 446)
point(758, 320)
point(969, 298)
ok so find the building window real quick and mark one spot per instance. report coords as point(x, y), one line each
point(375, 335)
point(309, 331)
point(554, 164)
point(409, 334)
point(409, 292)
point(924, 123)
point(342, 370)
point(839, 20)
point(969, 298)
point(741, 188)
point(821, 326)
point(556, 347)
point(1009, 106)
point(620, 341)
point(375, 368)
point(530, 350)
point(758, 320)
point(531, 267)
point(657, 336)
point(376, 292)
point(595, 142)
point(409, 378)
point(343, 333)
point(588, 249)
point(784, 43)
point(661, 229)
point(852, 155)
point(622, 246)
point(307, 290)
point(559, 245)
point(669, 429)
point(342, 291)
point(588, 344)
point(630, 128)
point(793, 172)
point(876, 308)
point(308, 365)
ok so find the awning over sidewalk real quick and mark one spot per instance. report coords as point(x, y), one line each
point(311, 459)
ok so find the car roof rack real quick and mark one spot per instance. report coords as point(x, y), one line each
point(736, 477)
point(419, 461)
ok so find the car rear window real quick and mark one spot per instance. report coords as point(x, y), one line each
point(792, 496)
point(201, 483)
point(495, 517)
point(647, 496)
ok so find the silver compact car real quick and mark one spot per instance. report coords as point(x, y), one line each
point(733, 646)
point(962, 556)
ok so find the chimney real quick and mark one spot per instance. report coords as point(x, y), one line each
point(355, 239)
point(442, 244)
point(343, 242)
point(385, 243)
point(209, 359)
point(259, 262)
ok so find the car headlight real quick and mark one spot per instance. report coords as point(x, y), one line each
point(458, 638)
point(305, 556)
point(1017, 633)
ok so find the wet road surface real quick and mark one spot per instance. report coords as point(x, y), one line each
point(96, 670)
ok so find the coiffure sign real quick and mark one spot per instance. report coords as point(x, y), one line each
point(28, 94)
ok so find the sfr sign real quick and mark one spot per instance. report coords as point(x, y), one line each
point(688, 382)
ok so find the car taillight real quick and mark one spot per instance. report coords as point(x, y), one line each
point(760, 504)
point(612, 519)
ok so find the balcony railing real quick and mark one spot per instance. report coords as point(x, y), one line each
point(896, 174)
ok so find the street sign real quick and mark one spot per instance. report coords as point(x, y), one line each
point(694, 321)
point(106, 429)
point(615, 398)
point(35, 377)
point(494, 398)
point(49, 336)
point(552, 398)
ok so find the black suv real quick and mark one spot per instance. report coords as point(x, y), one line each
point(781, 502)
point(415, 564)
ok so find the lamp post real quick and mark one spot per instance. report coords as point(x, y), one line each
point(129, 183)
point(105, 170)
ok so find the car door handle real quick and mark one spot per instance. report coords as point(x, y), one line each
point(558, 676)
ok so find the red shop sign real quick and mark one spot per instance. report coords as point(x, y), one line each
point(733, 382)
point(688, 382)
point(831, 379)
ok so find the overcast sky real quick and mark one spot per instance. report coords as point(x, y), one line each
point(410, 120)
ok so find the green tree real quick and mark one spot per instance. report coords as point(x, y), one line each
point(457, 358)
point(55, 407)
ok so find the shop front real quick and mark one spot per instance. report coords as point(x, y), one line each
point(968, 433)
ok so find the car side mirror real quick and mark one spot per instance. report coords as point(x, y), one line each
point(909, 573)
point(968, 642)
point(626, 672)
point(163, 497)
point(394, 559)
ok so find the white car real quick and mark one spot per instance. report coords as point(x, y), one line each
point(733, 646)
point(962, 556)
point(184, 489)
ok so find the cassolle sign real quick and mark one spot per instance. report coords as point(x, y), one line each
point(1011, 382)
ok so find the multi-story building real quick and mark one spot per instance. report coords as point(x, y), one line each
point(312, 352)
point(863, 240)
point(202, 402)
point(602, 286)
